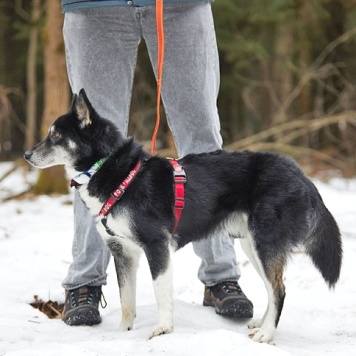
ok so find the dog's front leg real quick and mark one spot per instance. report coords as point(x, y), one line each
point(163, 292)
point(127, 283)
point(126, 263)
point(160, 265)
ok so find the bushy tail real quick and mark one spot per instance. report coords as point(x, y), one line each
point(325, 246)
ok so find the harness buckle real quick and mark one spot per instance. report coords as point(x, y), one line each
point(180, 177)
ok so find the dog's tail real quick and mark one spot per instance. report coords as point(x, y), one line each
point(324, 245)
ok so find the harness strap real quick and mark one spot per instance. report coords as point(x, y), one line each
point(117, 194)
point(180, 179)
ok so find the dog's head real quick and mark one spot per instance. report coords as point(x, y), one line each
point(77, 139)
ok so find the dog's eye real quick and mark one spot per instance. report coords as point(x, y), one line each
point(56, 135)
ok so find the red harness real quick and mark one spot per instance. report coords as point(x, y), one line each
point(179, 181)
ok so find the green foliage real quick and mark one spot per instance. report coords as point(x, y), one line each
point(245, 29)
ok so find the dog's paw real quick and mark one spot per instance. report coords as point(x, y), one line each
point(160, 330)
point(125, 325)
point(256, 323)
point(127, 319)
point(261, 335)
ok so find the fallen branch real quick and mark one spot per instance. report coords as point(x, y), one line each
point(306, 126)
point(297, 152)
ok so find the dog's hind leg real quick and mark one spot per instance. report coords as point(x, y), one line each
point(271, 272)
point(126, 260)
point(159, 261)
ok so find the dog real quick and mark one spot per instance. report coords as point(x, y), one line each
point(261, 198)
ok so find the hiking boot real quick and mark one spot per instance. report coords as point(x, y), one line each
point(228, 299)
point(81, 306)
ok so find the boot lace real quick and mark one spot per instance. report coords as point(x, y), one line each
point(231, 287)
point(87, 295)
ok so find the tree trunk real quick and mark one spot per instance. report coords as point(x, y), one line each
point(282, 75)
point(31, 79)
point(305, 57)
point(56, 92)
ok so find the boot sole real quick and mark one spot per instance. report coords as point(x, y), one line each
point(87, 317)
point(232, 311)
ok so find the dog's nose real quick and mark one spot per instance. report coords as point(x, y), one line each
point(28, 155)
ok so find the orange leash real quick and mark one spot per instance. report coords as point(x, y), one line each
point(160, 60)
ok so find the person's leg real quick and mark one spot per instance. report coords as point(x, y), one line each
point(101, 49)
point(189, 90)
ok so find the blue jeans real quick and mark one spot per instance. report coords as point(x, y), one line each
point(101, 48)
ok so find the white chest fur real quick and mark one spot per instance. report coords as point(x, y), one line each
point(121, 225)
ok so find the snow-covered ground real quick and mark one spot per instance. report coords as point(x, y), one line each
point(35, 252)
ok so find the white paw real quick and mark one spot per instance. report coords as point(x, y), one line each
point(125, 325)
point(127, 319)
point(261, 334)
point(160, 330)
point(256, 323)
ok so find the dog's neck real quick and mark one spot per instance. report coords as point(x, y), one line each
point(84, 177)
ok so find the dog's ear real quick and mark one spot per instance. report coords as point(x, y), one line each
point(83, 108)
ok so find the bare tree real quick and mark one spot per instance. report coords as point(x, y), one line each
point(31, 104)
point(56, 92)
point(32, 19)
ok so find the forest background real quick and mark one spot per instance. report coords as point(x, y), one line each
point(288, 81)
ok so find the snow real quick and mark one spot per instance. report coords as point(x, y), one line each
point(35, 252)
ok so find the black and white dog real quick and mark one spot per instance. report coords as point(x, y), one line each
point(261, 198)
